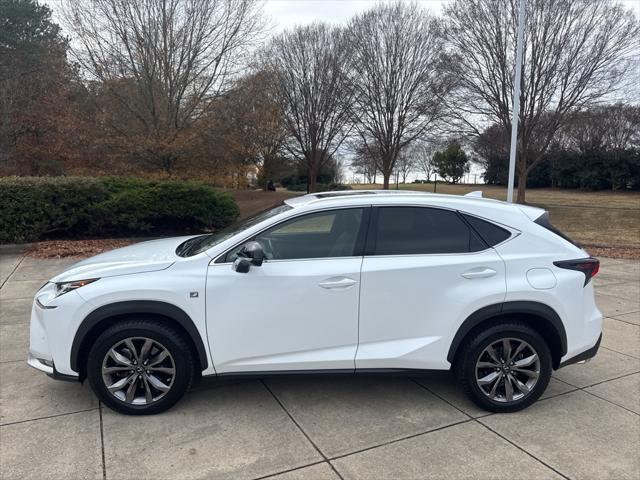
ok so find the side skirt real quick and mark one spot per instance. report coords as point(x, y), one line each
point(393, 372)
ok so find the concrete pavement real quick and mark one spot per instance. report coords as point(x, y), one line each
point(586, 426)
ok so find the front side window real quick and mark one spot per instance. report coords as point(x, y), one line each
point(422, 230)
point(196, 245)
point(332, 233)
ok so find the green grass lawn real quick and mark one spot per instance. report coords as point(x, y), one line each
point(592, 218)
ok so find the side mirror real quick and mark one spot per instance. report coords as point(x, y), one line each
point(250, 254)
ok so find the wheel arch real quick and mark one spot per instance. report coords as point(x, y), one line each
point(542, 318)
point(103, 317)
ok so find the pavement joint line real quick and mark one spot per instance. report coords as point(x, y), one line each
point(12, 272)
point(616, 351)
point(271, 475)
point(573, 389)
point(13, 361)
point(104, 464)
point(396, 440)
point(607, 400)
point(424, 387)
point(597, 383)
point(477, 420)
point(275, 397)
point(46, 417)
point(622, 321)
point(620, 314)
point(585, 390)
point(523, 450)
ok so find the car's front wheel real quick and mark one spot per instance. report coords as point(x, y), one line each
point(505, 368)
point(140, 366)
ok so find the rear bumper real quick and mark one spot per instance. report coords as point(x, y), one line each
point(586, 355)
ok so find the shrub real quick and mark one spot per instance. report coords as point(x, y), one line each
point(166, 206)
point(35, 207)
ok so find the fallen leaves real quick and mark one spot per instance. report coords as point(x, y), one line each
point(614, 252)
point(76, 248)
point(87, 248)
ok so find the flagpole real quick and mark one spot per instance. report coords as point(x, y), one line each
point(516, 102)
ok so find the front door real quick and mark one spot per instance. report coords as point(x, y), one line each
point(299, 310)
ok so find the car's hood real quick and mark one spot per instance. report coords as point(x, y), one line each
point(140, 257)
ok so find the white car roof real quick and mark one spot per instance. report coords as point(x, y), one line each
point(346, 197)
point(472, 202)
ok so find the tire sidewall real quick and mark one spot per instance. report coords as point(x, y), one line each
point(112, 337)
point(492, 335)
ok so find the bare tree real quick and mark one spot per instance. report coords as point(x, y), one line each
point(575, 53)
point(397, 82)
point(174, 55)
point(308, 68)
point(423, 156)
point(405, 164)
point(364, 162)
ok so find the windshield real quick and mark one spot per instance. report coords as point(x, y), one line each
point(196, 245)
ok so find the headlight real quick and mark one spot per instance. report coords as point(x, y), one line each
point(64, 287)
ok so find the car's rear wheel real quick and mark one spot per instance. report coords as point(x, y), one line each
point(504, 368)
point(140, 367)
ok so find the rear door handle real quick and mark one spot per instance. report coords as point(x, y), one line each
point(337, 282)
point(480, 272)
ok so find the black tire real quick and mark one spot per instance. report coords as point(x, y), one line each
point(181, 360)
point(471, 351)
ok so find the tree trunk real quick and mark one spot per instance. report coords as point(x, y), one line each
point(313, 178)
point(385, 181)
point(522, 184)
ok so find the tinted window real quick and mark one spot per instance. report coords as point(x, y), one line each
point(332, 233)
point(490, 233)
point(418, 230)
point(196, 245)
point(543, 221)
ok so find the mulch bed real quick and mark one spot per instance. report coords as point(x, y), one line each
point(75, 248)
point(613, 252)
point(87, 248)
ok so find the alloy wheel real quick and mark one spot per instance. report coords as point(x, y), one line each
point(507, 370)
point(138, 370)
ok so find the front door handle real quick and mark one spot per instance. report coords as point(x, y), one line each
point(480, 272)
point(337, 282)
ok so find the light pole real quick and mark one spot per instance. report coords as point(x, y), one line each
point(516, 102)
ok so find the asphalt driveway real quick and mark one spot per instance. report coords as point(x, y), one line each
point(586, 426)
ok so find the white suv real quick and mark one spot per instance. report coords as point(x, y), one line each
point(346, 282)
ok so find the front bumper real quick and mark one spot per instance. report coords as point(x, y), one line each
point(584, 356)
point(53, 322)
point(48, 367)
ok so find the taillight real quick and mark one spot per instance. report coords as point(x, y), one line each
point(589, 266)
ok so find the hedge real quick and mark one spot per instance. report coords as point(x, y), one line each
point(32, 208)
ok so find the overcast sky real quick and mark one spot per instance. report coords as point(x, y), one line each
point(288, 13)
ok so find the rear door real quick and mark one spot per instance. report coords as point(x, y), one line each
point(425, 271)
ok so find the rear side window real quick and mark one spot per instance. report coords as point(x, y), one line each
point(492, 234)
point(420, 230)
point(543, 221)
